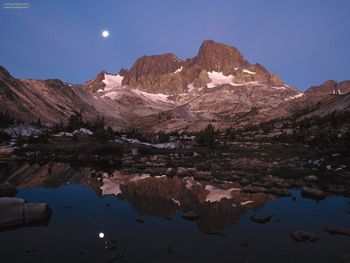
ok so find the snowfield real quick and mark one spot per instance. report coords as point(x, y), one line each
point(112, 81)
point(218, 78)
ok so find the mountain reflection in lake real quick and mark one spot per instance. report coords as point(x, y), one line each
point(133, 213)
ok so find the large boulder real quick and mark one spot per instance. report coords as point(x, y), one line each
point(15, 212)
point(11, 212)
point(37, 213)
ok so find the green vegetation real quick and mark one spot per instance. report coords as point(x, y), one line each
point(207, 136)
point(5, 119)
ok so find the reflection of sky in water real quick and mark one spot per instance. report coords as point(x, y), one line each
point(71, 231)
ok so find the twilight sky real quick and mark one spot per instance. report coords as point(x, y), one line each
point(304, 42)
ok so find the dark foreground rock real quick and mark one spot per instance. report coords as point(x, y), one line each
point(260, 219)
point(337, 231)
point(7, 190)
point(312, 192)
point(15, 212)
point(300, 236)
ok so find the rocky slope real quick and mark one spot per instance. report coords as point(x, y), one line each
point(163, 92)
point(50, 100)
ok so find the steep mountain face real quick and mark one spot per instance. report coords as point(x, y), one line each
point(169, 75)
point(50, 100)
point(163, 92)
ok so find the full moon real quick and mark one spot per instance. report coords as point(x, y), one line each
point(105, 33)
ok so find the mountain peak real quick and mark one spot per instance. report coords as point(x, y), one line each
point(214, 56)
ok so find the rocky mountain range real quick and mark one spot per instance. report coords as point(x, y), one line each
point(164, 92)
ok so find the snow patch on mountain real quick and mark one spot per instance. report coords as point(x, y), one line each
point(218, 78)
point(153, 97)
point(112, 81)
point(116, 93)
point(190, 87)
point(295, 96)
point(249, 72)
point(178, 70)
point(281, 88)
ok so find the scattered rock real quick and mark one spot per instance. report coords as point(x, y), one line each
point(138, 220)
point(279, 192)
point(312, 192)
point(329, 167)
point(337, 231)
point(191, 215)
point(260, 219)
point(244, 181)
point(301, 236)
point(7, 190)
point(201, 175)
point(170, 250)
point(195, 154)
point(244, 244)
point(115, 258)
point(29, 250)
point(253, 189)
point(311, 178)
point(182, 172)
point(170, 171)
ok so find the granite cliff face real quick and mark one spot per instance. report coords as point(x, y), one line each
point(163, 92)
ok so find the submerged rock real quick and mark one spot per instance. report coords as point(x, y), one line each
point(191, 215)
point(260, 219)
point(301, 236)
point(337, 231)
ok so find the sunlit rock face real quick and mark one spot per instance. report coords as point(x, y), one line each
point(217, 206)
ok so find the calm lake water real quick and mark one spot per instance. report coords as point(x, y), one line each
point(72, 235)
